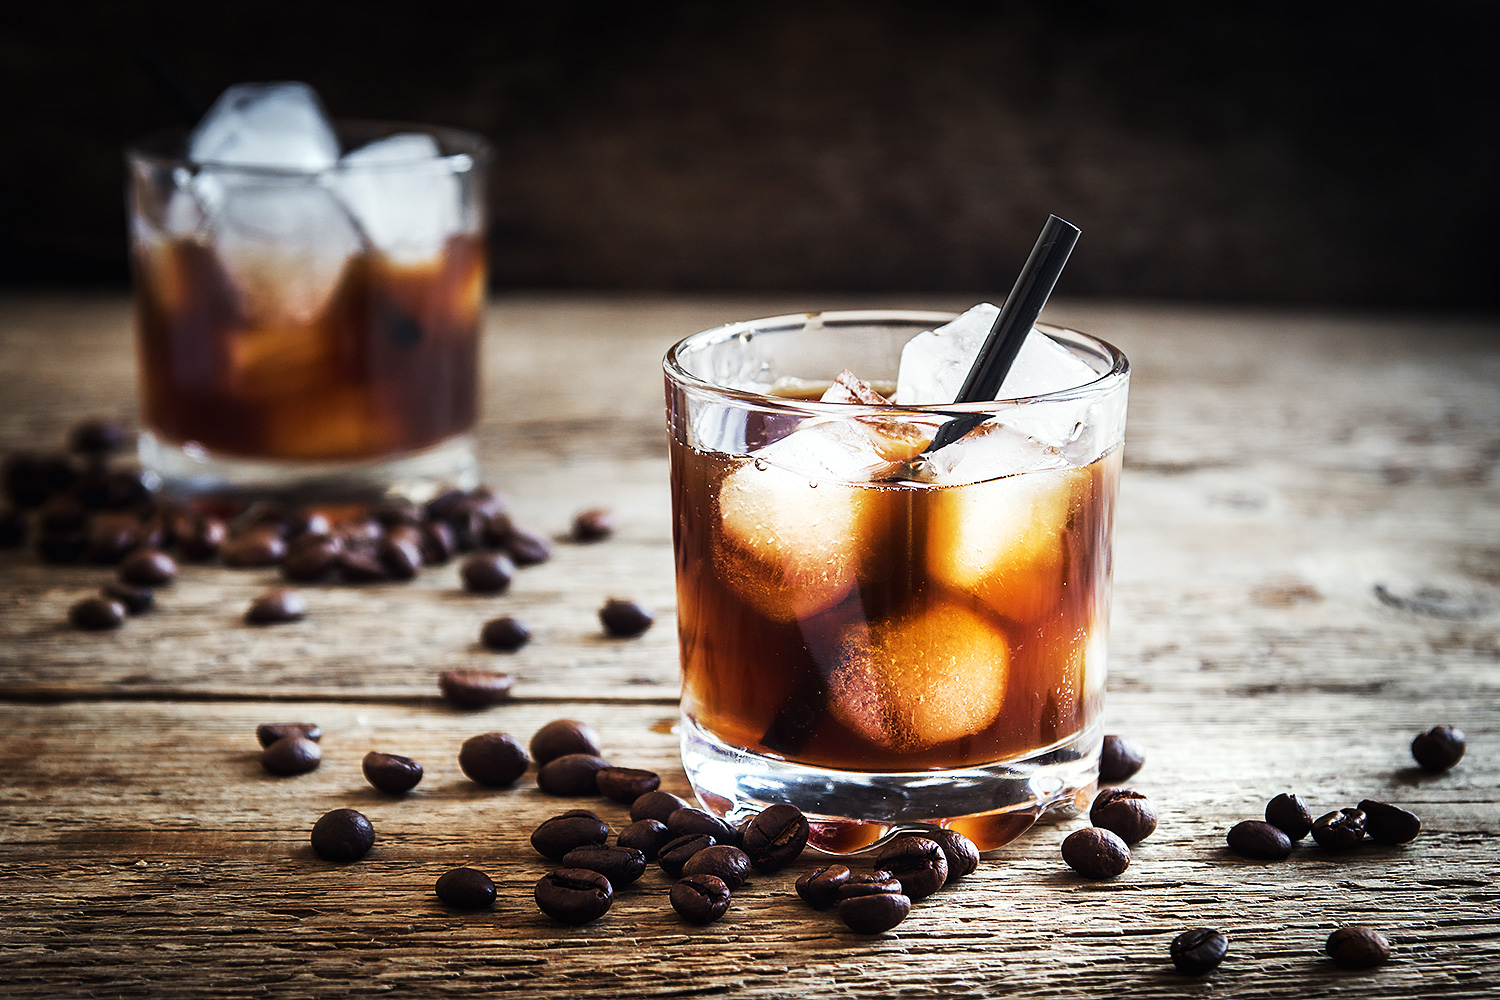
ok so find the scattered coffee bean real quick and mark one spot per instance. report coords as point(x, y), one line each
point(527, 549)
point(393, 513)
point(1357, 947)
point(621, 865)
point(360, 532)
point(574, 895)
point(391, 773)
point(625, 619)
point(571, 774)
point(291, 755)
point(203, 540)
point(729, 864)
point(98, 436)
point(470, 687)
point(497, 530)
point(1254, 839)
point(775, 837)
point(563, 736)
point(1439, 748)
point(691, 819)
point(266, 515)
point(466, 889)
point(1096, 853)
point(360, 565)
point(625, 784)
point(493, 759)
point(437, 544)
point(256, 548)
point(700, 898)
point(269, 732)
point(401, 558)
point(112, 537)
point(657, 805)
point(1119, 759)
point(876, 882)
point(487, 573)
point(1339, 830)
point(1125, 812)
point(148, 568)
point(1199, 951)
point(567, 831)
point(963, 856)
point(679, 850)
point(504, 635)
point(917, 862)
point(593, 525)
point(136, 600)
point(1289, 814)
point(646, 836)
point(446, 504)
point(820, 887)
point(343, 835)
point(276, 606)
point(95, 614)
point(1389, 824)
point(871, 910)
point(311, 559)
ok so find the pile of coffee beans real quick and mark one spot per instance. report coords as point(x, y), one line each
point(1121, 817)
point(1289, 820)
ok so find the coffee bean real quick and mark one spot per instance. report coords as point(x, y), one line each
point(1199, 951)
point(493, 759)
point(466, 889)
point(291, 755)
point(311, 559)
point(256, 548)
point(95, 614)
point(265, 515)
point(874, 913)
point(919, 864)
point(361, 532)
point(487, 573)
point(343, 835)
point(360, 565)
point(391, 773)
point(1254, 839)
point(571, 774)
point(497, 530)
point(30, 479)
point(148, 568)
point(527, 549)
point(269, 732)
point(1358, 947)
point(1389, 824)
point(625, 619)
point(504, 635)
point(437, 544)
point(646, 836)
point(112, 537)
point(203, 540)
point(276, 606)
point(625, 784)
point(593, 525)
point(679, 851)
point(98, 436)
point(1439, 748)
point(775, 837)
point(1125, 812)
point(136, 600)
point(1096, 853)
point(690, 819)
point(1289, 814)
point(963, 856)
point(394, 513)
point(445, 504)
point(820, 887)
point(657, 805)
point(13, 526)
point(567, 831)
point(574, 895)
point(470, 687)
point(564, 736)
point(724, 862)
point(876, 883)
point(1119, 759)
point(700, 898)
point(1339, 830)
point(401, 558)
point(621, 865)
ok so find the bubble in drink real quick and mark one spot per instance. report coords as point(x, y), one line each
point(281, 125)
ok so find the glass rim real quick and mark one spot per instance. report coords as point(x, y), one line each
point(678, 374)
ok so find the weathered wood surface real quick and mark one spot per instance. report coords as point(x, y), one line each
point(1307, 573)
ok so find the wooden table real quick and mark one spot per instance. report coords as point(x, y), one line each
point(1308, 573)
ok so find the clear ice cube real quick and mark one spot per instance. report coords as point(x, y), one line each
point(281, 125)
point(405, 196)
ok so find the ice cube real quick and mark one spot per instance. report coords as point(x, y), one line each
point(279, 125)
point(990, 451)
point(405, 196)
point(936, 675)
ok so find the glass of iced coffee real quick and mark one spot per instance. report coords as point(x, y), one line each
point(308, 301)
point(886, 635)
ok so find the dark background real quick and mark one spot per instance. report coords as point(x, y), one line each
point(1330, 154)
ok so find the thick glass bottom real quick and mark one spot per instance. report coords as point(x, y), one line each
point(851, 811)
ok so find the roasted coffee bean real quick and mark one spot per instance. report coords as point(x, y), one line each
point(487, 573)
point(657, 805)
point(871, 910)
point(493, 759)
point(276, 606)
point(917, 862)
point(1199, 951)
point(564, 736)
point(401, 558)
point(437, 544)
point(360, 565)
point(122, 489)
point(96, 614)
point(30, 479)
point(291, 755)
point(1125, 812)
point(393, 513)
point(963, 856)
point(593, 525)
point(266, 515)
point(679, 851)
point(137, 600)
point(1097, 853)
point(820, 887)
point(873, 884)
point(690, 819)
point(571, 774)
point(470, 687)
point(1339, 830)
point(148, 568)
point(1439, 748)
point(1254, 839)
point(574, 895)
point(391, 773)
point(13, 526)
point(621, 865)
point(497, 530)
point(568, 831)
point(1357, 947)
point(625, 619)
point(98, 436)
point(775, 837)
point(259, 547)
point(646, 836)
point(1289, 814)
point(406, 534)
point(269, 732)
point(63, 546)
point(360, 532)
point(466, 889)
point(445, 504)
point(1389, 824)
point(625, 784)
point(112, 537)
point(700, 898)
point(343, 835)
point(504, 635)
point(312, 558)
point(526, 548)
point(729, 864)
point(203, 540)
point(1119, 759)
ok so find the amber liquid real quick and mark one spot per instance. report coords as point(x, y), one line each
point(388, 365)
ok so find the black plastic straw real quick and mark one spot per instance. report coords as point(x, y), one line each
point(1022, 306)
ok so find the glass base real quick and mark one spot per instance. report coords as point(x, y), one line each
point(190, 472)
point(851, 811)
